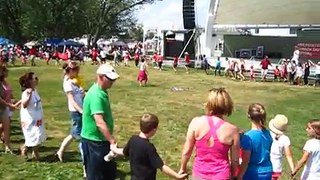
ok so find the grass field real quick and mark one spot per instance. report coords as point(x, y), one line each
point(129, 101)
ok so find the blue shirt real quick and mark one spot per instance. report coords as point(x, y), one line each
point(258, 142)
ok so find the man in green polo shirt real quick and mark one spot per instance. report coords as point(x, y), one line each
point(97, 126)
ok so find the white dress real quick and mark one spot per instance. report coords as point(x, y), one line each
point(32, 120)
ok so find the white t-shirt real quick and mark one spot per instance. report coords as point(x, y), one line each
point(312, 168)
point(277, 150)
point(69, 86)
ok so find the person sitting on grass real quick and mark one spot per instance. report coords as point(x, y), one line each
point(144, 165)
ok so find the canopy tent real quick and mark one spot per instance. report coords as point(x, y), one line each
point(31, 44)
point(284, 12)
point(5, 41)
point(52, 42)
point(119, 43)
point(70, 43)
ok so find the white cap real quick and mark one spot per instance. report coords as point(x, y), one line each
point(108, 70)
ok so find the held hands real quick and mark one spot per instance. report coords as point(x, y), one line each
point(182, 175)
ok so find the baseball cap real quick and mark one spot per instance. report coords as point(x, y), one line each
point(108, 70)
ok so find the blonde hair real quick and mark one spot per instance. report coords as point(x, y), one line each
point(315, 125)
point(219, 102)
point(257, 114)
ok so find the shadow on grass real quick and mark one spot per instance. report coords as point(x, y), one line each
point(67, 157)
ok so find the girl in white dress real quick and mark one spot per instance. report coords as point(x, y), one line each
point(31, 115)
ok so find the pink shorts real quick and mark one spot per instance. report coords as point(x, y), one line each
point(276, 175)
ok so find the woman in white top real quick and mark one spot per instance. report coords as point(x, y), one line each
point(299, 74)
point(280, 145)
point(31, 115)
point(311, 153)
point(75, 96)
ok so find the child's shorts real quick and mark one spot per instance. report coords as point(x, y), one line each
point(76, 125)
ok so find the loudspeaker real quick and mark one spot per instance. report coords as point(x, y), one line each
point(189, 17)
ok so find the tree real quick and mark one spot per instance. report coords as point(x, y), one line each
point(22, 20)
point(109, 15)
point(136, 32)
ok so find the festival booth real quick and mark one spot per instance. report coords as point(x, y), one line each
point(62, 46)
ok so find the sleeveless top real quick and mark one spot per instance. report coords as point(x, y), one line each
point(211, 162)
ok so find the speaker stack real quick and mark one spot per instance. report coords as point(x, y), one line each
point(189, 16)
point(189, 22)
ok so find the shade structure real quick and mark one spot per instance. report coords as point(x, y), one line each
point(287, 12)
point(119, 43)
point(52, 42)
point(5, 41)
point(70, 43)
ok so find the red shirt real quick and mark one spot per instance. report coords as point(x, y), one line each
point(32, 51)
point(277, 72)
point(94, 54)
point(265, 63)
point(159, 58)
point(187, 59)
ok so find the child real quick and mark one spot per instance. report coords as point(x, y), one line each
point(256, 145)
point(252, 76)
point(276, 73)
point(175, 63)
point(143, 156)
point(311, 153)
point(241, 132)
point(79, 82)
point(281, 145)
point(143, 73)
point(126, 58)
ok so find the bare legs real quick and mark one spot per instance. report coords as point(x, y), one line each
point(65, 143)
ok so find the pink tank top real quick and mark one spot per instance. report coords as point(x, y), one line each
point(211, 162)
point(7, 92)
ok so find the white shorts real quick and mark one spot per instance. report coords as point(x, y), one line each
point(264, 72)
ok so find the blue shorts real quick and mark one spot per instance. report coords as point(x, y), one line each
point(76, 125)
point(255, 175)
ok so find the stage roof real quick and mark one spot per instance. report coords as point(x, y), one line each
point(278, 12)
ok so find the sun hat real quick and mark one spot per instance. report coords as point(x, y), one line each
point(108, 70)
point(278, 124)
point(186, 53)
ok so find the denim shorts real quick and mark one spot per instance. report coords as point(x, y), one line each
point(76, 125)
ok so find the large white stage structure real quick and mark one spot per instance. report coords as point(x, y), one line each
point(234, 16)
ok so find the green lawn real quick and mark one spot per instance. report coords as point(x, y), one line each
point(129, 101)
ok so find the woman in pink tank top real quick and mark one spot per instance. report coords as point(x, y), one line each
point(213, 139)
point(5, 107)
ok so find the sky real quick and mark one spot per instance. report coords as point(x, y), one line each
point(167, 14)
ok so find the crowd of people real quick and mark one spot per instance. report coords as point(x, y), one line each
point(291, 71)
point(222, 150)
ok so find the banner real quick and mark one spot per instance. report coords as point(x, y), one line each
point(309, 50)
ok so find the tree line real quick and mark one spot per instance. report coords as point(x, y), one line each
point(25, 20)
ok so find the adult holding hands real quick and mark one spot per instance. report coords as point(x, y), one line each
point(213, 138)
